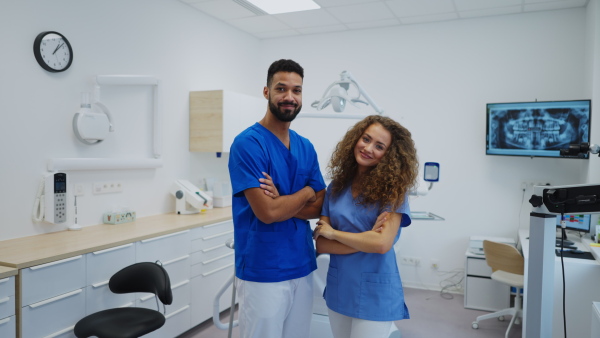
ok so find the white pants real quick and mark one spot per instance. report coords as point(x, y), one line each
point(275, 310)
point(348, 327)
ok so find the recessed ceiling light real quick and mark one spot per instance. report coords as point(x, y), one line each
point(284, 6)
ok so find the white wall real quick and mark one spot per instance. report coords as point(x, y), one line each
point(185, 49)
point(436, 79)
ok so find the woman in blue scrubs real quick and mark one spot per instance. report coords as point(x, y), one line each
point(365, 207)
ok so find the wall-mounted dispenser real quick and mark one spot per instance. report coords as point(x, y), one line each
point(91, 127)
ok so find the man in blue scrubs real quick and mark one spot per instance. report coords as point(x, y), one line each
point(274, 250)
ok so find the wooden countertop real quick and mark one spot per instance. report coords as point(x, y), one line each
point(39, 249)
point(7, 272)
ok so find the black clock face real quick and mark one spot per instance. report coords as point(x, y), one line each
point(53, 51)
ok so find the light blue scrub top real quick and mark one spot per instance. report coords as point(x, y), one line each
point(363, 285)
point(283, 250)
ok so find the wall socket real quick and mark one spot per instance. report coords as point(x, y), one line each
point(435, 264)
point(107, 187)
point(414, 261)
point(78, 189)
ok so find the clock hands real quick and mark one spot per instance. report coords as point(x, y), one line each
point(57, 47)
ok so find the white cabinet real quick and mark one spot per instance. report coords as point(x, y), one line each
point(217, 116)
point(7, 307)
point(56, 295)
point(53, 298)
point(100, 266)
point(481, 292)
point(212, 266)
point(173, 251)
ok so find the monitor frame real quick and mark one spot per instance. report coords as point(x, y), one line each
point(493, 110)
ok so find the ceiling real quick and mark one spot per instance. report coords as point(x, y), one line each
point(345, 15)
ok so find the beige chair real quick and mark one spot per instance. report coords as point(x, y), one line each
point(507, 265)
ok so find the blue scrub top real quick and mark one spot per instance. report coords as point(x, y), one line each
point(363, 285)
point(282, 250)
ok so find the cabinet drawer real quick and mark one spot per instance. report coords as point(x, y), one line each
point(212, 242)
point(99, 297)
point(478, 267)
point(163, 248)
point(210, 266)
point(53, 317)
point(56, 278)
point(181, 298)
point(7, 287)
point(7, 306)
point(204, 290)
point(101, 265)
point(8, 327)
point(177, 323)
point(486, 294)
point(178, 269)
point(212, 229)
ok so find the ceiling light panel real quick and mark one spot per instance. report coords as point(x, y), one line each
point(279, 6)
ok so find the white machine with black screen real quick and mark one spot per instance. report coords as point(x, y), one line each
point(547, 202)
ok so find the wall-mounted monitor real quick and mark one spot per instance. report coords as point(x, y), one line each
point(536, 129)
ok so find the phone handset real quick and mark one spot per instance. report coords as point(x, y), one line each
point(51, 200)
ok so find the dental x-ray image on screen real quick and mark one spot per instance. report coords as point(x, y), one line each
point(538, 129)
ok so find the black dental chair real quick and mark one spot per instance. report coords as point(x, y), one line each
point(130, 322)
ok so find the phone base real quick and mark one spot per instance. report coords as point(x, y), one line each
point(74, 227)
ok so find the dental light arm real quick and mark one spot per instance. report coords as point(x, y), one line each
point(337, 95)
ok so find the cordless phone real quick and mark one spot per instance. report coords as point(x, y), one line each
point(56, 198)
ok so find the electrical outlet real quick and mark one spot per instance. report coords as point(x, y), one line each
point(107, 187)
point(435, 264)
point(414, 261)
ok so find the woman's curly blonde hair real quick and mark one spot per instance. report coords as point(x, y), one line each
point(389, 181)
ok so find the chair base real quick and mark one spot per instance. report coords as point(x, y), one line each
point(516, 313)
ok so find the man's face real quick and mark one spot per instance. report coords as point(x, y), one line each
point(285, 96)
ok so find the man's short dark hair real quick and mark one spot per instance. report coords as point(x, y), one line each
point(284, 65)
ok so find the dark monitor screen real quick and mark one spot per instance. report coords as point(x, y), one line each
point(576, 222)
point(536, 129)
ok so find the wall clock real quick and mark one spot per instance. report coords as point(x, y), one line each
point(53, 51)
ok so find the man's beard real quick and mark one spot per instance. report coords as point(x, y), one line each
point(287, 115)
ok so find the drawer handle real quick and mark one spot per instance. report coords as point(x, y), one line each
point(112, 249)
point(5, 320)
point(97, 285)
point(215, 224)
point(213, 248)
point(176, 260)
point(178, 311)
point(173, 287)
point(217, 258)
point(3, 280)
point(163, 236)
point(4, 300)
point(56, 334)
point(57, 298)
point(55, 263)
point(217, 270)
point(217, 235)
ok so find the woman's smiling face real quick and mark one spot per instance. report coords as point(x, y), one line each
point(372, 146)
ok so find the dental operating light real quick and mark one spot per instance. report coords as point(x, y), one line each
point(337, 95)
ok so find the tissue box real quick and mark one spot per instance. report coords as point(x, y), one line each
point(222, 201)
point(119, 217)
